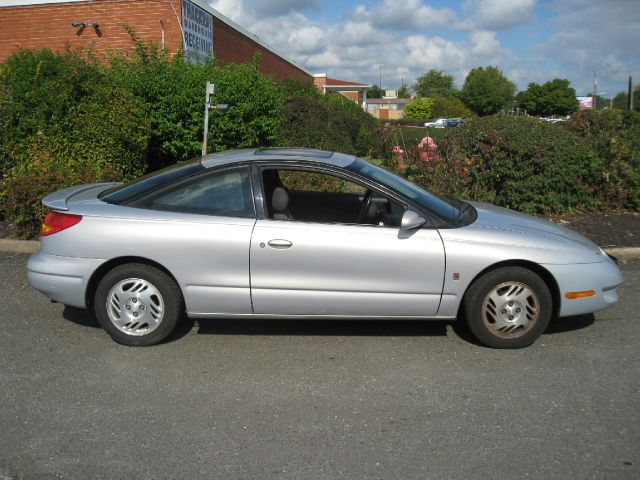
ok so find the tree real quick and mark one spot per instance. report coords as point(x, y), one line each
point(444, 107)
point(435, 83)
point(621, 101)
point(486, 90)
point(551, 98)
point(419, 108)
point(403, 92)
point(374, 92)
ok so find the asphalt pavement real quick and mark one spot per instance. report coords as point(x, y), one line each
point(314, 400)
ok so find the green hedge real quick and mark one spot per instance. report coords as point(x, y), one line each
point(66, 123)
point(66, 118)
point(329, 122)
point(614, 136)
point(537, 167)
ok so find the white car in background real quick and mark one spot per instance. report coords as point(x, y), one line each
point(439, 123)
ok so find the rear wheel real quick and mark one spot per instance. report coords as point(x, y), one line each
point(508, 307)
point(137, 304)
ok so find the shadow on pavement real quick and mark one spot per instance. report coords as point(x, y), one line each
point(364, 328)
point(569, 324)
point(84, 318)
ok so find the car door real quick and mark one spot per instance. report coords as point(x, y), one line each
point(344, 269)
point(200, 230)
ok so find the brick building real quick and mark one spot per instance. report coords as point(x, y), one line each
point(100, 25)
point(356, 92)
point(387, 108)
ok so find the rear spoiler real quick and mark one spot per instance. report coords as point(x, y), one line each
point(59, 200)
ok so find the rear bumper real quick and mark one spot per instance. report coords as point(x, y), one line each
point(63, 279)
point(601, 277)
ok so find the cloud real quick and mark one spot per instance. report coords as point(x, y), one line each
point(411, 15)
point(496, 14)
point(592, 36)
point(353, 47)
point(274, 8)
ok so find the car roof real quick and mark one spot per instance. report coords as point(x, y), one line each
point(269, 154)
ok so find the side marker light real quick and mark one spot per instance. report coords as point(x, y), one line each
point(574, 295)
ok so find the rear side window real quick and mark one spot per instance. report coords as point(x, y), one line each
point(128, 192)
point(223, 193)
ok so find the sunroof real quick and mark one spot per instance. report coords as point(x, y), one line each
point(294, 152)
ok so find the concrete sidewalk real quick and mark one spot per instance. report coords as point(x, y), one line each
point(32, 246)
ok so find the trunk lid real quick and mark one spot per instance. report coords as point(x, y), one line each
point(60, 200)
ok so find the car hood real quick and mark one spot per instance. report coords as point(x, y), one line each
point(535, 230)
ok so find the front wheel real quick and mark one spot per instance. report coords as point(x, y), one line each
point(508, 307)
point(137, 304)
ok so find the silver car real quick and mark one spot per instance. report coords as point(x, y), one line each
point(308, 234)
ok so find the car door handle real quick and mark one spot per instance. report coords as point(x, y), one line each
point(278, 243)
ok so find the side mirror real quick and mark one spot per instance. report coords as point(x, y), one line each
point(411, 220)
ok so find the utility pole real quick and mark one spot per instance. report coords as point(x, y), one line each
point(630, 97)
point(380, 67)
point(595, 88)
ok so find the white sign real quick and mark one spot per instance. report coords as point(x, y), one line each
point(585, 102)
point(197, 25)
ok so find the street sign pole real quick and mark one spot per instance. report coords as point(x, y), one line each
point(207, 106)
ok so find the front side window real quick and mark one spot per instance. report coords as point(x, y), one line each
point(452, 210)
point(224, 193)
point(320, 197)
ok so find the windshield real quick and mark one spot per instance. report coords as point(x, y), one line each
point(140, 186)
point(450, 209)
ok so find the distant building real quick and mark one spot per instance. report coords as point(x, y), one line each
point(387, 108)
point(356, 92)
point(100, 26)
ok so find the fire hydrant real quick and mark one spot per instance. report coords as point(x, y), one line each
point(398, 156)
point(428, 149)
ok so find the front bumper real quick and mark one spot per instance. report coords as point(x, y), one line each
point(63, 279)
point(602, 277)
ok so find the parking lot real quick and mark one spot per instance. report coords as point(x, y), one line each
point(307, 399)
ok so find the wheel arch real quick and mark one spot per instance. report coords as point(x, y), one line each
point(536, 268)
point(106, 267)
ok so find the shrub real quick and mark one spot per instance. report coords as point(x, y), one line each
point(103, 138)
point(614, 136)
point(172, 92)
point(331, 122)
point(515, 162)
point(37, 90)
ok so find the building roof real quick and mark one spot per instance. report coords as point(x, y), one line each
point(334, 82)
point(387, 101)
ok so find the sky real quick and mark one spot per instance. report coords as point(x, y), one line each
point(529, 40)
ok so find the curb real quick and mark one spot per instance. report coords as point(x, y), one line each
point(19, 246)
point(32, 246)
point(624, 253)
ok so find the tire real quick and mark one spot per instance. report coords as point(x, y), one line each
point(508, 307)
point(137, 304)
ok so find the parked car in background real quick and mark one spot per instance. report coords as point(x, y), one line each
point(308, 234)
point(452, 123)
point(553, 120)
point(436, 123)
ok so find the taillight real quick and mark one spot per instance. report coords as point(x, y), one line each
point(55, 222)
